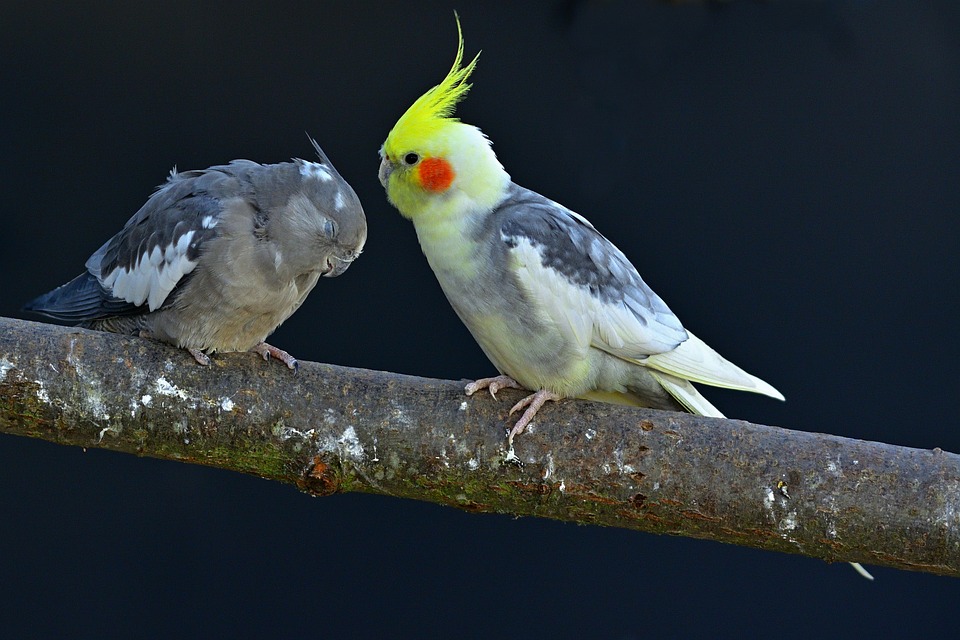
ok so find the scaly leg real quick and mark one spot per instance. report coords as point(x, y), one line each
point(532, 403)
point(269, 351)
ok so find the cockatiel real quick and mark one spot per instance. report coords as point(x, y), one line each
point(216, 259)
point(556, 307)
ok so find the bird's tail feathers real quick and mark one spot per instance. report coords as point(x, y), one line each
point(694, 360)
point(71, 302)
point(79, 300)
point(687, 395)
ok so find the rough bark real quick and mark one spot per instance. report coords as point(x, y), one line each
point(333, 429)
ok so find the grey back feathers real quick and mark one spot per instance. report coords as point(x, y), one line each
point(567, 244)
point(595, 298)
point(240, 238)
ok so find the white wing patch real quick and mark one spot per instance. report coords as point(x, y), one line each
point(566, 305)
point(315, 171)
point(208, 222)
point(582, 316)
point(154, 275)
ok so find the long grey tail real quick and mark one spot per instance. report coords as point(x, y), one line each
point(80, 300)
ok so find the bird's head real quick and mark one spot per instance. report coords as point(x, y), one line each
point(430, 157)
point(312, 215)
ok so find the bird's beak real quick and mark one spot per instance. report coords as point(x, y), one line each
point(337, 270)
point(337, 265)
point(386, 168)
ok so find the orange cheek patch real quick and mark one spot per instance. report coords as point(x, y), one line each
point(436, 174)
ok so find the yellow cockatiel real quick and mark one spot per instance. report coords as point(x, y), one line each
point(557, 308)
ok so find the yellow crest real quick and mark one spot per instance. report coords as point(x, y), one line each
point(434, 109)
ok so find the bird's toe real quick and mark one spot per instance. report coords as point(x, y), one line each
point(269, 351)
point(200, 357)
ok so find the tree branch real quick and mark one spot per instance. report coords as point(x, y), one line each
point(333, 429)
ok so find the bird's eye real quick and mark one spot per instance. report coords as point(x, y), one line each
point(411, 159)
point(330, 229)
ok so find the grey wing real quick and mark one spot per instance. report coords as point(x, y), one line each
point(142, 267)
point(582, 281)
point(161, 244)
point(589, 288)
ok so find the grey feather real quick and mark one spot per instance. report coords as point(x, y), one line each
point(569, 245)
point(79, 300)
point(217, 258)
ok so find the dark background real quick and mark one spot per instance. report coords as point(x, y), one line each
point(784, 175)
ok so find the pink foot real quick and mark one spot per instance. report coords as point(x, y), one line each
point(269, 351)
point(493, 385)
point(533, 402)
point(200, 356)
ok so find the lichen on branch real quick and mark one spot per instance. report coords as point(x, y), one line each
point(335, 429)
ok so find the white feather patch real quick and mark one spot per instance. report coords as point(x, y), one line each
point(154, 275)
point(569, 307)
point(338, 201)
point(315, 171)
point(583, 316)
point(208, 222)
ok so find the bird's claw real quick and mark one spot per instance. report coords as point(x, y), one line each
point(522, 404)
point(200, 357)
point(493, 385)
point(532, 403)
point(269, 351)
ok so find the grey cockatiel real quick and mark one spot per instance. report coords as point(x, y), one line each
point(216, 259)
